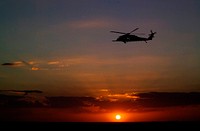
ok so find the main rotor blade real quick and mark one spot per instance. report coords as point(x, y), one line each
point(133, 30)
point(139, 33)
point(118, 32)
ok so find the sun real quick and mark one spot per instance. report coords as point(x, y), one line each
point(118, 117)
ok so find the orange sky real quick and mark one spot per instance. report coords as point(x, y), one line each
point(64, 50)
point(190, 113)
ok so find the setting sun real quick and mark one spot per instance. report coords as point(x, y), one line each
point(117, 117)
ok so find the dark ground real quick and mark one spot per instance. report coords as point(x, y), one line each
point(172, 125)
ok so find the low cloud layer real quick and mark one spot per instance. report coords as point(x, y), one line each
point(126, 102)
point(150, 106)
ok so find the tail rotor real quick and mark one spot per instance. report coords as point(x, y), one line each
point(151, 36)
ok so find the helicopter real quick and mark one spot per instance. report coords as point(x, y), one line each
point(127, 37)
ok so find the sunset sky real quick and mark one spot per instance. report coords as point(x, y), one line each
point(65, 48)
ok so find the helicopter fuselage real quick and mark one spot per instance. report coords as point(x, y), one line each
point(129, 38)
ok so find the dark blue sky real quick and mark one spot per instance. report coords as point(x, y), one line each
point(68, 49)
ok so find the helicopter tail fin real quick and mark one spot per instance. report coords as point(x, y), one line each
point(151, 36)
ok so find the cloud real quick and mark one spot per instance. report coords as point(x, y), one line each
point(24, 92)
point(94, 60)
point(91, 107)
point(16, 63)
point(85, 24)
point(22, 98)
point(118, 97)
point(53, 62)
point(131, 102)
point(34, 99)
point(90, 23)
point(38, 65)
point(128, 102)
point(21, 64)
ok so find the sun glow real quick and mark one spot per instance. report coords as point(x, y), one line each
point(118, 117)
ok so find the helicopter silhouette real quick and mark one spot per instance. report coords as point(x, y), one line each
point(127, 37)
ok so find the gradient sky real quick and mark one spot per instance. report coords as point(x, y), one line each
point(64, 47)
